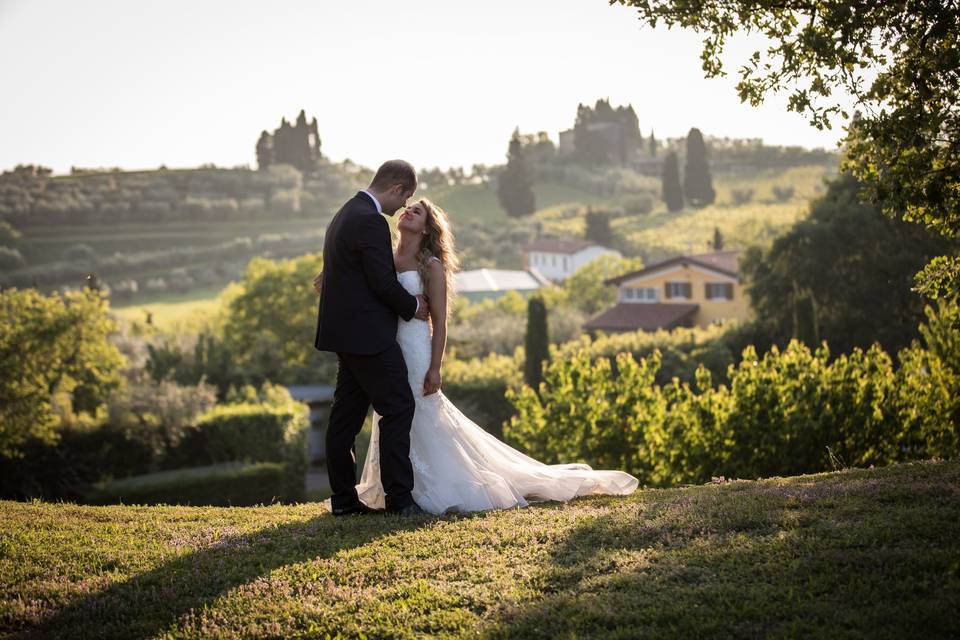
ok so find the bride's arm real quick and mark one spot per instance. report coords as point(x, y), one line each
point(437, 294)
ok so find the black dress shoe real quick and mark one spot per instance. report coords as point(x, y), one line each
point(358, 509)
point(412, 509)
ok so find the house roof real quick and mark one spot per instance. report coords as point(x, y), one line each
point(311, 393)
point(723, 262)
point(483, 280)
point(628, 316)
point(568, 246)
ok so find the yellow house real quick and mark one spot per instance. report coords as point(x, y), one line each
point(696, 290)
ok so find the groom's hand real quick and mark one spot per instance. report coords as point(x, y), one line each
point(318, 282)
point(423, 309)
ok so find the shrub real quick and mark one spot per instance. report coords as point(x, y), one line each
point(479, 388)
point(742, 196)
point(228, 484)
point(782, 193)
point(10, 258)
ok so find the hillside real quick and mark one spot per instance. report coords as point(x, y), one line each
point(859, 553)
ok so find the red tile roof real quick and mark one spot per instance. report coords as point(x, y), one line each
point(631, 316)
point(724, 262)
point(568, 246)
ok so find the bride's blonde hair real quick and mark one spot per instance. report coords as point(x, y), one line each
point(437, 242)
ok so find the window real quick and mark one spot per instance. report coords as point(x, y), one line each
point(643, 294)
point(678, 290)
point(553, 261)
point(565, 267)
point(719, 290)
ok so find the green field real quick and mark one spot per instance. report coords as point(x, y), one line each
point(859, 553)
point(168, 310)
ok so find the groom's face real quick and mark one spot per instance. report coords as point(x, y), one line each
point(398, 198)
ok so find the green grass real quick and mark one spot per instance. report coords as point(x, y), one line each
point(169, 310)
point(859, 553)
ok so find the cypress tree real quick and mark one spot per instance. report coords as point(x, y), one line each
point(515, 188)
point(717, 239)
point(805, 320)
point(670, 178)
point(598, 228)
point(264, 151)
point(697, 183)
point(652, 144)
point(537, 342)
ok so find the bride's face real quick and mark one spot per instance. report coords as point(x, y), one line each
point(413, 218)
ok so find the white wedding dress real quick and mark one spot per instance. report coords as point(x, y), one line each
point(459, 467)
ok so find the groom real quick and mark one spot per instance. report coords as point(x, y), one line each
point(360, 299)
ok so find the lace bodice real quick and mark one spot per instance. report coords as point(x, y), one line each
point(413, 336)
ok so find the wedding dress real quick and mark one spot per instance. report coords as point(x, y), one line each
point(457, 465)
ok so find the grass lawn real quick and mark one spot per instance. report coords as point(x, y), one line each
point(859, 553)
point(170, 309)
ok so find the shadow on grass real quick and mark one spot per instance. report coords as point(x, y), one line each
point(879, 561)
point(148, 603)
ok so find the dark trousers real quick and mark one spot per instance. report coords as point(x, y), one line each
point(362, 380)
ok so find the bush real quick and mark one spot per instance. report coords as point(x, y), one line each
point(743, 196)
point(10, 258)
point(479, 389)
point(638, 205)
point(786, 413)
point(228, 484)
point(81, 253)
point(782, 193)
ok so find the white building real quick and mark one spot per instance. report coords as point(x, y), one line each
point(492, 283)
point(557, 259)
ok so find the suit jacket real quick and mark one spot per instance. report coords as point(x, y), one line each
point(360, 297)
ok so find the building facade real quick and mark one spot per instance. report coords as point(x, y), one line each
point(558, 259)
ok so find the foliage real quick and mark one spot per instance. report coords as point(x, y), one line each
point(270, 324)
point(11, 258)
point(228, 484)
point(869, 550)
point(939, 278)
point(856, 265)
point(587, 290)
point(536, 346)
point(598, 228)
point(672, 192)
point(605, 135)
point(787, 412)
point(55, 359)
point(697, 182)
point(514, 189)
point(8, 235)
point(478, 387)
point(903, 143)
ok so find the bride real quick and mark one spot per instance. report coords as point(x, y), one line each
point(457, 466)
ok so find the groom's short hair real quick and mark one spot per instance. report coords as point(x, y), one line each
point(394, 172)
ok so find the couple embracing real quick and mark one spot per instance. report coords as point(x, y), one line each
point(384, 311)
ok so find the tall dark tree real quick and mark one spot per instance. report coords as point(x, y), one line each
point(652, 145)
point(598, 227)
point(717, 239)
point(515, 188)
point(537, 343)
point(697, 183)
point(670, 183)
point(264, 151)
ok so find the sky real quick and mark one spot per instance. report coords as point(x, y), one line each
point(136, 85)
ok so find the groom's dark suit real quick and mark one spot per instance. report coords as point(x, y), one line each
point(360, 300)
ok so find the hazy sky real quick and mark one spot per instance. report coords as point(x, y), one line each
point(438, 82)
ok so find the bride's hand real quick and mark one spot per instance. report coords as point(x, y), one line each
point(431, 383)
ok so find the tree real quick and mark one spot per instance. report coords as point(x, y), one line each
point(855, 265)
point(55, 359)
point(652, 145)
point(264, 151)
point(515, 189)
point(537, 343)
point(697, 183)
point(904, 144)
point(670, 181)
point(598, 228)
point(717, 239)
point(587, 289)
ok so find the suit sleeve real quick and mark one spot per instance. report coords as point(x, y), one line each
point(373, 243)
